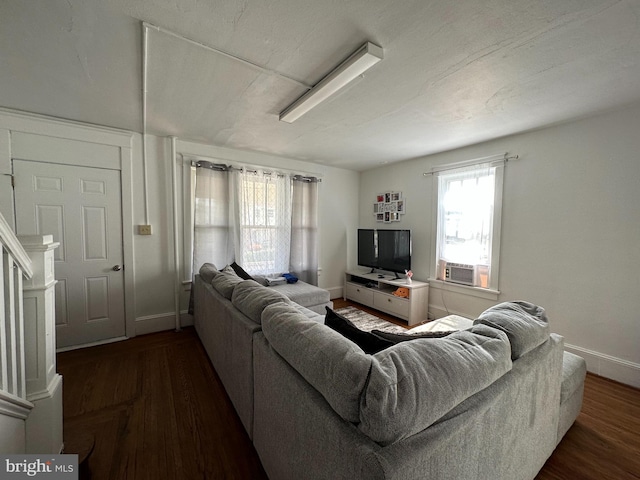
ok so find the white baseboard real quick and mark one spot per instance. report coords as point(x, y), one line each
point(92, 344)
point(161, 322)
point(608, 366)
point(336, 292)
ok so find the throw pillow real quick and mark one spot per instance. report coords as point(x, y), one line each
point(403, 337)
point(290, 278)
point(240, 272)
point(368, 342)
point(526, 325)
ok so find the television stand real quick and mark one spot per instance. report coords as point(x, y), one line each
point(375, 292)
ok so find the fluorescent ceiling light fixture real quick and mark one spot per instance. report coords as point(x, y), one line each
point(358, 63)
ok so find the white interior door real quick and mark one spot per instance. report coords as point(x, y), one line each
point(80, 207)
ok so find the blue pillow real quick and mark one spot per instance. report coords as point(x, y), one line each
point(290, 277)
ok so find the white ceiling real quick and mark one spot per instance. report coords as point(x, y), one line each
point(454, 73)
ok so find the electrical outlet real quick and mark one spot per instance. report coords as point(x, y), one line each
point(144, 229)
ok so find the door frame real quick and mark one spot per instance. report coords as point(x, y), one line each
point(40, 138)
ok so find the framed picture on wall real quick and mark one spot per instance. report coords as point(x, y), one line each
point(389, 203)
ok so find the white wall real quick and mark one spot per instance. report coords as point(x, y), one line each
point(570, 232)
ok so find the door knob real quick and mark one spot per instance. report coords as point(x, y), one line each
point(116, 268)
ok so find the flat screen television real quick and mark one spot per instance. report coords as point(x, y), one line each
point(367, 248)
point(388, 250)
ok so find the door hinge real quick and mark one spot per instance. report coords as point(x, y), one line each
point(13, 181)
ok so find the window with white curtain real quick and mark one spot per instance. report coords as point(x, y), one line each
point(468, 225)
point(264, 220)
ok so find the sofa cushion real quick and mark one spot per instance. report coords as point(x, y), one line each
point(413, 384)
point(225, 282)
point(303, 293)
point(207, 272)
point(574, 370)
point(251, 298)
point(310, 314)
point(333, 365)
point(228, 269)
point(368, 342)
point(525, 324)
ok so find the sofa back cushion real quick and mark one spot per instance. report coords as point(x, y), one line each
point(225, 283)
point(525, 324)
point(333, 365)
point(207, 272)
point(413, 384)
point(251, 298)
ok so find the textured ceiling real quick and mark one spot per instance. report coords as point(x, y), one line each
point(454, 73)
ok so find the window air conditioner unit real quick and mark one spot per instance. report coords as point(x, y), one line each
point(460, 273)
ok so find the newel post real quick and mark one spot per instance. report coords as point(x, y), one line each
point(43, 384)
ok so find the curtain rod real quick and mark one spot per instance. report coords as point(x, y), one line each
point(500, 157)
point(221, 167)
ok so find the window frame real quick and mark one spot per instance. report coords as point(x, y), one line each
point(493, 289)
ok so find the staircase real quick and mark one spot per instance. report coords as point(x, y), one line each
point(30, 388)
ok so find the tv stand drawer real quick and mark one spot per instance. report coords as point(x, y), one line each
point(390, 304)
point(359, 293)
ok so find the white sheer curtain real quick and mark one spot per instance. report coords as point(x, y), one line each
point(262, 214)
point(304, 229)
point(465, 214)
point(267, 222)
point(213, 228)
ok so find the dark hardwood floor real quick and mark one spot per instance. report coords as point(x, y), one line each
point(157, 410)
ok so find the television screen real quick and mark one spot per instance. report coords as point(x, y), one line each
point(367, 255)
point(394, 250)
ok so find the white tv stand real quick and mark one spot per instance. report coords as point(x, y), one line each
point(376, 291)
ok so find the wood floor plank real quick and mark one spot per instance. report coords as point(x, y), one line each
point(158, 410)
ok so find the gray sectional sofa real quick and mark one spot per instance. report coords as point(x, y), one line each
point(492, 401)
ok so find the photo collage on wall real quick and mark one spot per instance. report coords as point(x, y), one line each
point(389, 206)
